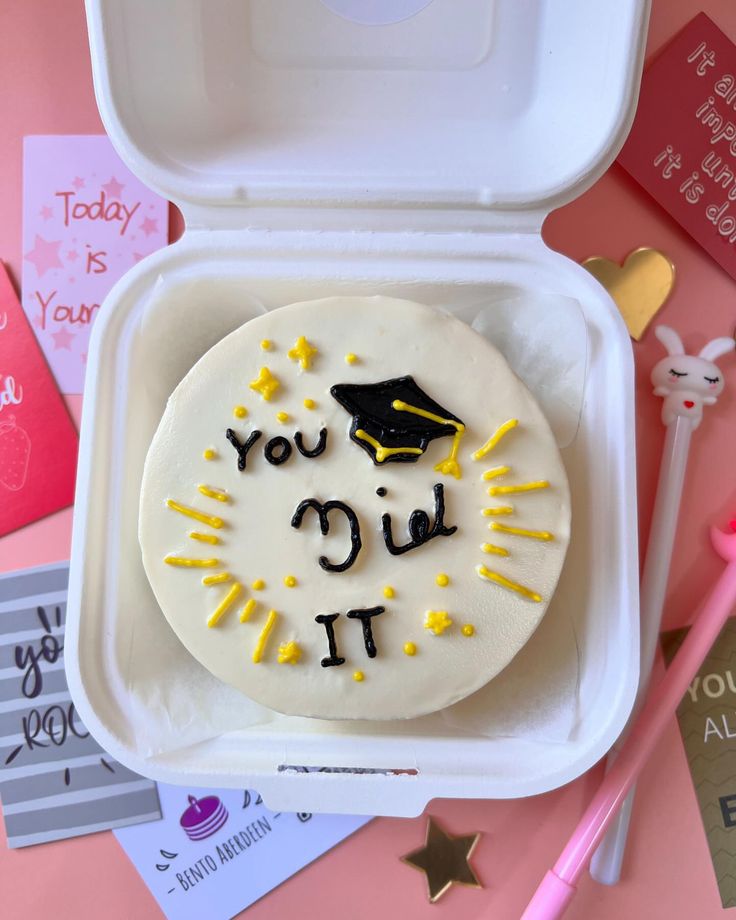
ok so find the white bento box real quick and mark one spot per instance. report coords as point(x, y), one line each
point(319, 147)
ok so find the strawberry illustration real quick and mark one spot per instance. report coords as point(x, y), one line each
point(15, 451)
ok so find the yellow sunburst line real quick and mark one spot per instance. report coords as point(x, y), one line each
point(210, 519)
point(495, 438)
point(522, 532)
point(263, 638)
point(506, 583)
point(225, 604)
point(245, 613)
point(186, 563)
point(204, 537)
point(502, 509)
point(519, 487)
point(218, 494)
point(496, 471)
point(218, 579)
point(494, 550)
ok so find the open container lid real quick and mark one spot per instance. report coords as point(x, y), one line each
point(491, 105)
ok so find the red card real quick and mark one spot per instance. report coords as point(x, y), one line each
point(38, 442)
point(682, 147)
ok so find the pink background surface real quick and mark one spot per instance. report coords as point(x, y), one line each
point(45, 75)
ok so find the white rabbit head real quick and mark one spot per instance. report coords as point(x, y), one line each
point(696, 374)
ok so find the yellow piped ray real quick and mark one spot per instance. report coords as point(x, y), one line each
point(519, 487)
point(506, 583)
point(263, 637)
point(502, 509)
point(522, 532)
point(225, 604)
point(449, 466)
point(494, 550)
point(383, 452)
point(218, 494)
point(247, 611)
point(204, 537)
point(186, 563)
point(496, 471)
point(499, 433)
point(210, 519)
point(218, 579)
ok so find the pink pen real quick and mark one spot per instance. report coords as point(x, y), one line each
point(558, 886)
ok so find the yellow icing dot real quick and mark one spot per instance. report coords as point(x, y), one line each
point(289, 653)
point(290, 581)
point(358, 675)
point(309, 404)
point(265, 383)
point(388, 591)
point(468, 629)
point(282, 417)
point(258, 585)
point(350, 358)
point(210, 454)
point(303, 352)
point(410, 648)
point(437, 621)
point(240, 412)
point(442, 580)
point(266, 344)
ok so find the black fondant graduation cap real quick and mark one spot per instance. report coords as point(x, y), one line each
point(394, 420)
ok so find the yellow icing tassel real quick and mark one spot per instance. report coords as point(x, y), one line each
point(522, 532)
point(495, 438)
point(520, 487)
point(449, 466)
point(210, 519)
point(263, 638)
point(217, 494)
point(437, 621)
point(410, 649)
point(204, 537)
point(225, 604)
point(494, 550)
point(184, 563)
point(289, 653)
point(303, 352)
point(502, 509)
point(506, 583)
point(218, 579)
point(496, 471)
point(247, 611)
point(265, 383)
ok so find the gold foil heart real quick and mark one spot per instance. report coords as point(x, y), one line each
point(640, 287)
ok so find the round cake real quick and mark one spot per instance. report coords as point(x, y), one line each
point(353, 509)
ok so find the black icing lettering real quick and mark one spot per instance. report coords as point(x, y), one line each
point(365, 616)
point(419, 527)
point(315, 451)
point(327, 619)
point(270, 451)
point(323, 511)
point(242, 449)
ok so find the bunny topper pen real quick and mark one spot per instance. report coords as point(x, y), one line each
point(687, 383)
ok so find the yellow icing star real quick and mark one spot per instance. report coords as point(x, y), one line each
point(302, 352)
point(437, 621)
point(289, 653)
point(265, 383)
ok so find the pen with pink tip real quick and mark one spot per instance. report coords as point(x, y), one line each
point(557, 889)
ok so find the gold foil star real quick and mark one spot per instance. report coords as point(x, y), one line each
point(444, 860)
point(438, 621)
point(265, 383)
point(302, 352)
point(289, 653)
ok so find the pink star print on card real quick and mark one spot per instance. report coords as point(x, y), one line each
point(86, 221)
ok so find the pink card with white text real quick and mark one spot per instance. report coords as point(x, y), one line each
point(86, 221)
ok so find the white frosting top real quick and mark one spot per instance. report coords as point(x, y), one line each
point(275, 650)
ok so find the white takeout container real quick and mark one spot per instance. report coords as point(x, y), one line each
point(315, 148)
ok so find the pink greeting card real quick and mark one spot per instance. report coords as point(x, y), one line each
point(38, 443)
point(86, 221)
point(682, 147)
